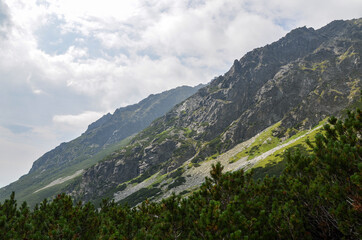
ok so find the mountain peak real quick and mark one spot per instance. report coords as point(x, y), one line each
point(235, 68)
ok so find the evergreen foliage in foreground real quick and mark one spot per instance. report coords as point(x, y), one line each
point(318, 196)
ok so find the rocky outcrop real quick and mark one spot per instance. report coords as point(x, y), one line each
point(299, 80)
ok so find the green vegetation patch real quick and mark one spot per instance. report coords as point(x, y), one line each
point(177, 173)
point(144, 176)
point(212, 157)
point(163, 136)
point(189, 132)
point(263, 143)
point(183, 149)
point(347, 54)
point(122, 187)
point(272, 169)
point(321, 66)
point(177, 182)
point(355, 89)
point(215, 144)
point(214, 89)
point(141, 195)
point(205, 124)
point(277, 156)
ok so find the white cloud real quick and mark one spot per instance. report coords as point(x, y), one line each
point(64, 62)
point(76, 121)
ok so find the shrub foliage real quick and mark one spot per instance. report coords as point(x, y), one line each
point(318, 196)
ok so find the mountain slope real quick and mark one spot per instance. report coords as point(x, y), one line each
point(113, 128)
point(189, 177)
point(100, 139)
point(297, 81)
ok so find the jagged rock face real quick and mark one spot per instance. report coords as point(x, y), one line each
point(299, 80)
point(113, 128)
point(231, 95)
point(122, 170)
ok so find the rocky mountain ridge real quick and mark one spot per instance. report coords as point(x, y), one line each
point(298, 80)
point(113, 128)
point(102, 137)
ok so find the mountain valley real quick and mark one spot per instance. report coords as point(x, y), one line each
point(268, 101)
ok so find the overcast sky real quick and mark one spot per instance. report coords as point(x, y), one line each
point(65, 63)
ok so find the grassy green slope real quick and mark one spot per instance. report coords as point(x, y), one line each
point(27, 186)
point(264, 153)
